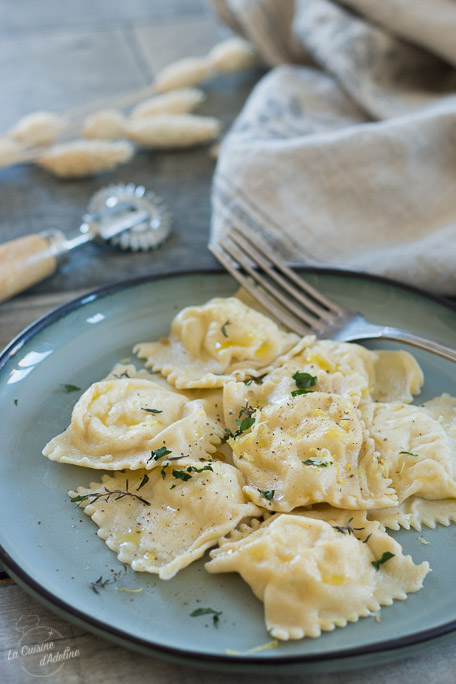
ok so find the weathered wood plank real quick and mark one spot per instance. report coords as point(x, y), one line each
point(29, 15)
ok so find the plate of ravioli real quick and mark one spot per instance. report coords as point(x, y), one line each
point(182, 475)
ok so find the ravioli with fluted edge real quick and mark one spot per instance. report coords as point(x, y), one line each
point(308, 449)
point(415, 448)
point(223, 337)
point(118, 423)
point(161, 521)
point(313, 574)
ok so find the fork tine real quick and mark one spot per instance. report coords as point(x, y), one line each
point(249, 264)
point(264, 260)
point(318, 299)
point(250, 286)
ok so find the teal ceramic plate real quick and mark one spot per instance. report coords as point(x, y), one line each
point(52, 549)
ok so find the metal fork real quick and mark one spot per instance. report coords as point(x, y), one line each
point(298, 305)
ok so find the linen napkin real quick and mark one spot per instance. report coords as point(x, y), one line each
point(345, 152)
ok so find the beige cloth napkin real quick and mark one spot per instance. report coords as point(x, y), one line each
point(345, 153)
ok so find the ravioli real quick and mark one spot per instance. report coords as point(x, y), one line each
point(415, 512)
point(308, 449)
point(313, 577)
point(160, 522)
point(398, 377)
point(221, 338)
point(119, 423)
point(418, 451)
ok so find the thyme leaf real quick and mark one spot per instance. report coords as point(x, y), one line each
point(303, 382)
point(186, 474)
point(151, 410)
point(318, 462)
point(70, 388)
point(409, 453)
point(208, 611)
point(385, 557)
point(252, 378)
point(267, 493)
point(157, 454)
point(144, 481)
point(223, 328)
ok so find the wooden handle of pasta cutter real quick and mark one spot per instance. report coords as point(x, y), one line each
point(23, 263)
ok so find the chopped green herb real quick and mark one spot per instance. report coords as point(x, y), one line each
point(181, 475)
point(267, 493)
point(144, 481)
point(157, 454)
point(223, 328)
point(303, 382)
point(347, 528)
point(385, 557)
point(409, 453)
point(15, 402)
point(194, 469)
point(242, 423)
point(185, 475)
point(163, 471)
point(151, 410)
point(208, 611)
point(318, 462)
point(252, 378)
point(125, 374)
point(71, 388)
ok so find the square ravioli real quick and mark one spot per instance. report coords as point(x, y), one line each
point(223, 337)
point(316, 574)
point(307, 449)
point(120, 423)
point(161, 521)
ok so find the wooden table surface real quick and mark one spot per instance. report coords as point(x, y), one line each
point(56, 55)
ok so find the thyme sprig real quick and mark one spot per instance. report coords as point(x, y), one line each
point(149, 410)
point(347, 528)
point(107, 494)
point(245, 421)
point(101, 583)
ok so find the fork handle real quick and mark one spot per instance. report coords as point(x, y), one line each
point(389, 333)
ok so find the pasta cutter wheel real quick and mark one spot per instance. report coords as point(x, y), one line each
point(143, 236)
point(126, 216)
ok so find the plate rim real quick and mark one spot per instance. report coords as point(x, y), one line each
point(27, 581)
